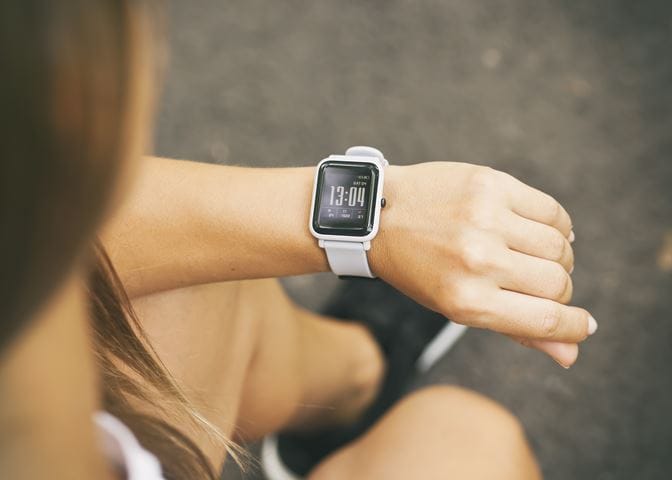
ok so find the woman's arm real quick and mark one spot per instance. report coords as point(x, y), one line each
point(187, 223)
point(470, 242)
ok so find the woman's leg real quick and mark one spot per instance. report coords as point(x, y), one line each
point(261, 364)
point(437, 433)
point(257, 361)
point(308, 370)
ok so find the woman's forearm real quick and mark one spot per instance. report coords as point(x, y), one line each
point(188, 223)
point(472, 243)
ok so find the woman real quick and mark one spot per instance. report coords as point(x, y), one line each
point(184, 350)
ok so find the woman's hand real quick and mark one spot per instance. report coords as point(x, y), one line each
point(483, 249)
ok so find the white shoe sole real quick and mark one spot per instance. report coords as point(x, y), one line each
point(439, 346)
point(271, 463)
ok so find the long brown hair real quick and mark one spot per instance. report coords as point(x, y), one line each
point(66, 84)
point(120, 340)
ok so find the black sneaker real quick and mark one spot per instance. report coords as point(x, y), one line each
point(412, 339)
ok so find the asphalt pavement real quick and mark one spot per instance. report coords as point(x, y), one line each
point(574, 98)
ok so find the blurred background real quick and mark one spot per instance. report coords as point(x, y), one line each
point(572, 97)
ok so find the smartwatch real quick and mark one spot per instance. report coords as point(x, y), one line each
point(345, 210)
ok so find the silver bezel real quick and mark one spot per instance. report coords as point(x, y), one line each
point(377, 202)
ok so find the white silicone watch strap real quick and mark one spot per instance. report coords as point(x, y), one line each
point(348, 259)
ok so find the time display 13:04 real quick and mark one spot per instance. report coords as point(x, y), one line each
point(354, 196)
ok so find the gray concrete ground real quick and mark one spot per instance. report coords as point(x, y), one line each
point(572, 97)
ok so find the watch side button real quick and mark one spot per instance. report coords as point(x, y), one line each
point(383, 202)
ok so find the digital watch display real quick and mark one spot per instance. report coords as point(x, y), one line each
point(345, 194)
point(345, 211)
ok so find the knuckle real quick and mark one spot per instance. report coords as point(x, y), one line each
point(484, 179)
point(475, 256)
point(556, 284)
point(550, 322)
point(569, 292)
point(570, 255)
point(555, 209)
point(502, 176)
point(556, 245)
point(482, 217)
point(471, 212)
point(465, 300)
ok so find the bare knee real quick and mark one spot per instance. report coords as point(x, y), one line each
point(438, 432)
point(452, 414)
point(456, 407)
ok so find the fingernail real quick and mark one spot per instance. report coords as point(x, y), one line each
point(566, 367)
point(592, 325)
point(572, 237)
point(571, 270)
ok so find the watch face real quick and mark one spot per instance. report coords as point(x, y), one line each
point(344, 203)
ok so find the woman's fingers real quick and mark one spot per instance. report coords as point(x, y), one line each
point(564, 354)
point(536, 205)
point(537, 239)
point(532, 317)
point(535, 276)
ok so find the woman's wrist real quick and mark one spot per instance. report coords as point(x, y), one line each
point(390, 220)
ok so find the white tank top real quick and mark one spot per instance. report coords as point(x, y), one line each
point(123, 450)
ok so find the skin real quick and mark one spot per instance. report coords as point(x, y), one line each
point(262, 366)
point(463, 435)
point(492, 253)
point(466, 257)
point(51, 359)
point(488, 252)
